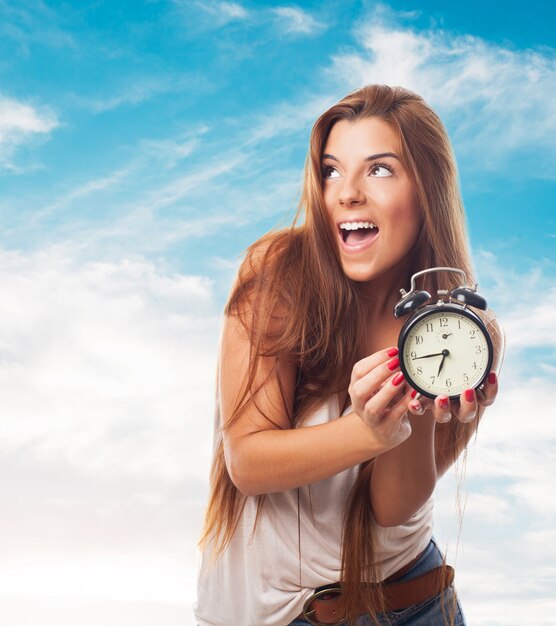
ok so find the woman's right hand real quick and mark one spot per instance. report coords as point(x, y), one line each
point(379, 396)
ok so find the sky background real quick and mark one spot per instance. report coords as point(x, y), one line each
point(143, 146)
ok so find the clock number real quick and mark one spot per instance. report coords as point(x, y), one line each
point(474, 365)
point(448, 382)
point(433, 378)
point(418, 339)
point(459, 324)
point(413, 354)
point(478, 349)
point(472, 334)
point(443, 322)
point(419, 370)
point(429, 327)
point(465, 378)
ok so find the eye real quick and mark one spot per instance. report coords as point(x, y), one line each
point(329, 172)
point(381, 170)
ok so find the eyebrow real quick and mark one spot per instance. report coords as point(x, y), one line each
point(380, 155)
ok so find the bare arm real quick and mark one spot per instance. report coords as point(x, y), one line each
point(263, 454)
point(404, 478)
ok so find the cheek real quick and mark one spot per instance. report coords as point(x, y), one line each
point(410, 212)
point(413, 223)
point(329, 198)
point(408, 217)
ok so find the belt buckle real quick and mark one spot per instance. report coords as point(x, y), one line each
point(307, 613)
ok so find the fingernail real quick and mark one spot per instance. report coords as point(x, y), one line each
point(414, 393)
point(391, 365)
point(398, 379)
point(417, 407)
point(392, 352)
point(492, 378)
point(445, 418)
point(470, 395)
point(444, 403)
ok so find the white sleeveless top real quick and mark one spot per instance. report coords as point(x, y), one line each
point(260, 580)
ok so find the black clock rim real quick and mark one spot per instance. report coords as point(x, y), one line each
point(436, 308)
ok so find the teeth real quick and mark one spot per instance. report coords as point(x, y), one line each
point(356, 225)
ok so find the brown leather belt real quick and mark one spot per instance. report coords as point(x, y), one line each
point(324, 607)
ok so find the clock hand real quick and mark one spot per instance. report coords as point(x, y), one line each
point(445, 353)
point(426, 356)
point(441, 364)
point(446, 335)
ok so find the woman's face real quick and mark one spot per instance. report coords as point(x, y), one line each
point(370, 199)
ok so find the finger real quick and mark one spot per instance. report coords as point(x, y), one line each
point(468, 406)
point(377, 407)
point(487, 394)
point(442, 409)
point(366, 387)
point(366, 365)
point(418, 404)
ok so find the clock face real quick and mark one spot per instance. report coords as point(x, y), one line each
point(444, 351)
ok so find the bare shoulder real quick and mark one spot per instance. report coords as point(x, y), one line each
point(257, 374)
point(265, 251)
point(257, 295)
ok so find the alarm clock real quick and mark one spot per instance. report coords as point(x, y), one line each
point(444, 346)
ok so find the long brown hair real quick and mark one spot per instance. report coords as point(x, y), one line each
point(295, 302)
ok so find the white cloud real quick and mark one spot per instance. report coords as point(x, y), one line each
point(490, 508)
point(105, 366)
point(211, 14)
point(107, 383)
point(296, 21)
point(135, 90)
point(17, 118)
point(165, 153)
point(30, 23)
point(170, 152)
point(232, 10)
point(20, 124)
point(526, 314)
point(219, 188)
point(494, 99)
point(533, 324)
point(89, 188)
point(287, 119)
point(504, 558)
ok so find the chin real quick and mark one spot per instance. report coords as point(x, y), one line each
point(360, 274)
point(366, 273)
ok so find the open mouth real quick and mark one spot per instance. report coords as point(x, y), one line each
point(356, 233)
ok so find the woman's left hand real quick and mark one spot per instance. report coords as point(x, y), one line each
point(466, 410)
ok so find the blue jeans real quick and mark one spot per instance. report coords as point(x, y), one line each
point(440, 610)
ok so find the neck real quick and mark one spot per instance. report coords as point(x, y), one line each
point(383, 293)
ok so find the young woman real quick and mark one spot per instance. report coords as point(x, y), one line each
point(325, 459)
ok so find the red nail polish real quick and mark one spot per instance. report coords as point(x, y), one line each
point(398, 379)
point(392, 352)
point(391, 365)
point(492, 378)
point(470, 395)
point(414, 393)
point(444, 403)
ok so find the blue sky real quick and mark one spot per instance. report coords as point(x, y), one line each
point(143, 146)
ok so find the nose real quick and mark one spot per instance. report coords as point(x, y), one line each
point(350, 193)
